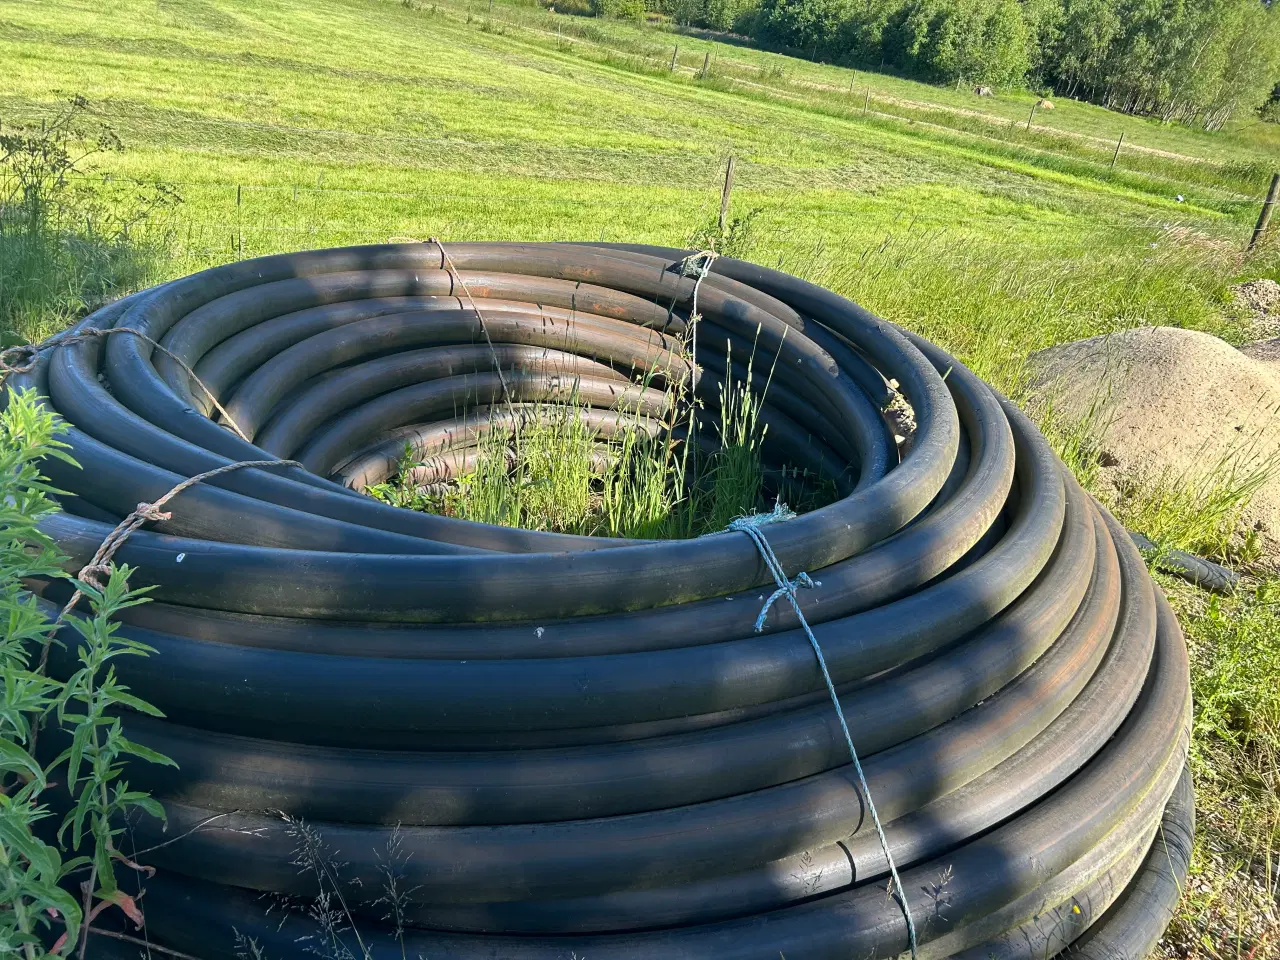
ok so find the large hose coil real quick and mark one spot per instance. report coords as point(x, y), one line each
point(570, 746)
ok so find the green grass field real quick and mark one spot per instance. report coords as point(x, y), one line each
point(367, 119)
point(287, 125)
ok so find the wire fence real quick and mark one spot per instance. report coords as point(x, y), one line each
point(784, 74)
point(230, 218)
point(238, 200)
point(225, 219)
point(708, 181)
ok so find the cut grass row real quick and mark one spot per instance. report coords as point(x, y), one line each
point(1244, 140)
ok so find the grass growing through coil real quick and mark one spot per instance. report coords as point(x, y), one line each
point(553, 473)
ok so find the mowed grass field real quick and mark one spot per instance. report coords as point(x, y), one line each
point(286, 125)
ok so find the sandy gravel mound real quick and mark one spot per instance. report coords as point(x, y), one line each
point(1261, 300)
point(1175, 403)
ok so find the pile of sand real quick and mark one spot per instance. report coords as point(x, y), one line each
point(1174, 403)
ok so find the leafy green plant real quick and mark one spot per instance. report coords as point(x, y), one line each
point(31, 870)
point(88, 705)
point(619, 9)
point(35, 902)
point(734, 240)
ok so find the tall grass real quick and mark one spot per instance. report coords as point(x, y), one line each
point(1229, 907)
point(1201, 512)
point(648, 480)
point(68, 243)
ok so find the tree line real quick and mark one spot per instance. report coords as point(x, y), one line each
point(1201, 62)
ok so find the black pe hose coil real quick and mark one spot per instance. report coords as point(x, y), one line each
point(579, 745)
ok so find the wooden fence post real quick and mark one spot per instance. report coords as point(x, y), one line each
point(1030, 117)
point(674, 53)
point(1264, 215)
point(725, 193)
point(867, 102)
point(1115, 156)
point(706, 64)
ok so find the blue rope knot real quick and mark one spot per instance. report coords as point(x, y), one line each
point(789, 589)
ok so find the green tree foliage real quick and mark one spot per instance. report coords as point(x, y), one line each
point(733, 15)
point(946, 40)
point(812, 26)
point(619, 9)
point(1195, 61)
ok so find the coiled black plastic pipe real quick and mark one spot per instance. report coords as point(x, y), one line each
point(579, 746)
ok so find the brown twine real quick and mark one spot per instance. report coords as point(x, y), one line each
point(484, 328)
point(93, 572)
point(23, 359)
point(137, 941)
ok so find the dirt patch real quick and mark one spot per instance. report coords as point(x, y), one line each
point(902, 417)
point(1260, 299)
point(1266, 352)
point(1173, 404)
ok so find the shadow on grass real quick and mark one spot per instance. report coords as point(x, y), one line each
point(51, 276)
point(70, 241)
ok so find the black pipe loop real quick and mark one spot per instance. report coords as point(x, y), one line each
point(565, 745)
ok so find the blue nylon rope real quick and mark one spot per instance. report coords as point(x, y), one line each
point(787, 588)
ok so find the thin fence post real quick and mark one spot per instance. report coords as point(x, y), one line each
point(852, 77)
point(674, 53)
point(1030, 117)
point(706, 64)
point(867, 102)
point(1116, 156)
point(1264, 215)
point(726, 192)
